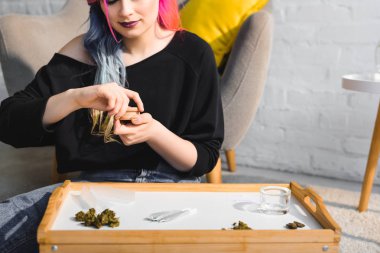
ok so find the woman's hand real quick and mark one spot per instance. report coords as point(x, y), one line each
point(109, 97)
point(143, 129)
point(179, 153)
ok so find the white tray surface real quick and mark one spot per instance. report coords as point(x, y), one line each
point(215, 210)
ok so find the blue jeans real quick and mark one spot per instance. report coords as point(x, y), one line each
point(21, 215)
point(164, 173)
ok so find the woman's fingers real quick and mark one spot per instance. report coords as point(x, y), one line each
point(115, 99)
point(120, 104)
point(137, 132)
point(116, 127)
point(119, 128)
point(125, 132)
point(141, 119)
point(135, 97)
point(123, 107)
point(110, 101)
point(116, 108)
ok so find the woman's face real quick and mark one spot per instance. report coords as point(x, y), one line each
point(132, 18)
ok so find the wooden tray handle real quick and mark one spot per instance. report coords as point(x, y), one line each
point(51, 212)
point(314, 204)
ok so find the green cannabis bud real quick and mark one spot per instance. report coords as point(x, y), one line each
point(299, 224)
point(291, 226)
point(90, 218)
point(295, 225)
point(240, 226)
point(79, 216)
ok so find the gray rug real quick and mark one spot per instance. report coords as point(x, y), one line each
point(360, 231)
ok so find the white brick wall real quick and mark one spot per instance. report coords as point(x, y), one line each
point(307, 122)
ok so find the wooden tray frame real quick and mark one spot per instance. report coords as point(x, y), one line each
point(189, 241)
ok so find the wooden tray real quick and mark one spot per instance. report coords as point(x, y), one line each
point(200, 233)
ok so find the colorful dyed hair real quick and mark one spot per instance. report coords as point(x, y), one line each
point(168, 15)
point(102, 43)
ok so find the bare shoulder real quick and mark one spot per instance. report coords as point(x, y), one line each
point(76, 50)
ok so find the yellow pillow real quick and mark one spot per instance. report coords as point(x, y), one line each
point(218, 21)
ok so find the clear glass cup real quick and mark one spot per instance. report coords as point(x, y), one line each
point(274, 199)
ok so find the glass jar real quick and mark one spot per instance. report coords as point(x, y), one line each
point(275, 199)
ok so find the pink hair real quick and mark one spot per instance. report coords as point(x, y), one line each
point(168, 15)
point(108, 21)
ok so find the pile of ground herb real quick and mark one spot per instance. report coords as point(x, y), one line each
point(295, 225)
point(90, 218)
point(239, 226)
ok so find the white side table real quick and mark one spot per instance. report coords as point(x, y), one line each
point(367, 83)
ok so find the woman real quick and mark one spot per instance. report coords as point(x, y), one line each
point(134, 54)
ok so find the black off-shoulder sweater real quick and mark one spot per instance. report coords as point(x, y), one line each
point(179, 87)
